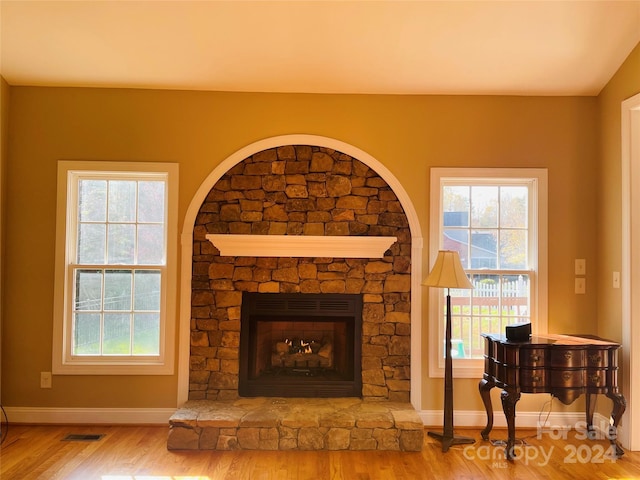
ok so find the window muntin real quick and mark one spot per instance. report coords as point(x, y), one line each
point(496, 220)
point(118, 263)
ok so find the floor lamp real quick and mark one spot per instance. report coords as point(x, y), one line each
point(448, 273)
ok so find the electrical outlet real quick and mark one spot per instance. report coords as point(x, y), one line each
point(45, 379)
point(581, 266)
point(580, 286)
point(616, 279)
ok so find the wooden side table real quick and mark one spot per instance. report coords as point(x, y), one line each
point(565, 366)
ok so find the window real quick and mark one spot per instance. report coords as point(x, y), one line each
point(496, 220)
point(115, 268)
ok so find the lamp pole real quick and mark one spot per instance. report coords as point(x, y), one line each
point(447, 437)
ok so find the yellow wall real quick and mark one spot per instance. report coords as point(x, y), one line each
point(624, 84)
point(408, 134)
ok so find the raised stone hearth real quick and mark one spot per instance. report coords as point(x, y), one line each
point(296, 424)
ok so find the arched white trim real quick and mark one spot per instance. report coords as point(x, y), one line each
point(313, 140)
point(630, 434)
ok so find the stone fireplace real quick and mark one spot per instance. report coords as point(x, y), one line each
point(306, 224)
point(301, 190)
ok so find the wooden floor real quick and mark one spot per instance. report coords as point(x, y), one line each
point(139, 453)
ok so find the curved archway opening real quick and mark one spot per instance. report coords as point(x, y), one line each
point(316, 141)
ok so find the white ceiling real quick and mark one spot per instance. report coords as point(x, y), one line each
point(387, 46)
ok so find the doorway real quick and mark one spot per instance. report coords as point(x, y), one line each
point(631, 267)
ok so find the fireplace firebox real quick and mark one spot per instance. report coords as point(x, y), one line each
point(300, 345)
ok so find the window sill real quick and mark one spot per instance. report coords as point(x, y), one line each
point(112, 368)
point(461, 369)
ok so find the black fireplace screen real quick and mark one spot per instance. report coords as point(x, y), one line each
point(300, 345)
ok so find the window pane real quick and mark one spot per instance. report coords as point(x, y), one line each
point(455, 206)
point(514, 207)
point(464, 348)
point(484, 207)
point(460, 301)
point(515, 298)
point(486, 295)
point(457, 240)
point(150, 244)
point(484, 249)
point(147, 290)
point(146, 334)
point(116, 339)
point(122, 244)
point(122, 201)
point(92, 198)
point(91, 244)
point(513, 249)
point(151, 202)
point(117, 290)
point(88, 290)
point(86, 334)
point(460, 320)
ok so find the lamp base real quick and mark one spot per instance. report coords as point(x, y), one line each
point(449, 440)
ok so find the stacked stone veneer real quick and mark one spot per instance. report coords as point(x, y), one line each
point(301, 190)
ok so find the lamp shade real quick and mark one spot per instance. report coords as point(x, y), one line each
point(448, 272)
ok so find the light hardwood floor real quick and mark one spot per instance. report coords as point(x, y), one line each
point(139, 453)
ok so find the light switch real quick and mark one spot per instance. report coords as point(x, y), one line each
point(45, 379)
point(581, 266)
point(580, 286)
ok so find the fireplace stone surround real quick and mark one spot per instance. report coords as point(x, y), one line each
point(301, 190)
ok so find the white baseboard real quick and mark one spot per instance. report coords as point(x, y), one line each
point(160, 416)
point(132, 416)
point(478, 419)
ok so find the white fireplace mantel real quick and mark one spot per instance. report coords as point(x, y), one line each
point(300, 245)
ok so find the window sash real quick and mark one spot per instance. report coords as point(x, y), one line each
point(97, 309)
point(109, 223)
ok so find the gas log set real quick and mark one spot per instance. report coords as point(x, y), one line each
point(302, 357)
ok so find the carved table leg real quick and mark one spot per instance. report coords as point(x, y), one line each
point(619, 406)
point(509, 399)
point(485, 387)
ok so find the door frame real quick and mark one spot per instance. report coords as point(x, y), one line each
point(630, 178)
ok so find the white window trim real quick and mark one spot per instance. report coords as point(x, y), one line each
point(63, 363)
point(473, 368)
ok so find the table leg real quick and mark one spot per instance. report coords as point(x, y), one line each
point(485, 387)
point(619, 406)
point(509, 399)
